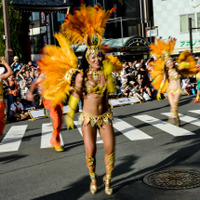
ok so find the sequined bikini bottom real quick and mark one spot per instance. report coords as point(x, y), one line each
point(97, 120)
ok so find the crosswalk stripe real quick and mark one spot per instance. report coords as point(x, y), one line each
point(99, 140)
point(167, 127)
point(185, 118)
point(46, 136)
point(129, 131)
point(13, 138)
point(194, 111)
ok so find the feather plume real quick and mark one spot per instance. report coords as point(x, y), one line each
point(56, 64)
point(162, 49)
point(187, 64)
point(117, 65)
point(85, 22)
point(157, 74)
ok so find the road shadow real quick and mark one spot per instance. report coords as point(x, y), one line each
point(173, 160)
point(12, 158)
point(79, 188)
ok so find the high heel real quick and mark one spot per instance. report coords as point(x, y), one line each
point(171, 120)
point(58, 148)
point(93, 185)
point(106, 181)
point(178, 123)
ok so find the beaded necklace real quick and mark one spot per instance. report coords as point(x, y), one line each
point(96, 74)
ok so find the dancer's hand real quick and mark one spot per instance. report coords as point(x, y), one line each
point(73, 103)
point(158, 96)
point(69, 122)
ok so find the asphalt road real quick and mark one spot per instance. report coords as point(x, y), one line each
point(145, 143)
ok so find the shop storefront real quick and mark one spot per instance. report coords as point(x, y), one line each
point(128, 48)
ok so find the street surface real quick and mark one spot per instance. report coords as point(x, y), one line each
point(145, 142)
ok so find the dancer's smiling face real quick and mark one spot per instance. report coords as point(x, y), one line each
point(95, 60)
point(170, 63)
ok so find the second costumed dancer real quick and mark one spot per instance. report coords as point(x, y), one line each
point(198, 82)
point(93, 83)
point(166, 73)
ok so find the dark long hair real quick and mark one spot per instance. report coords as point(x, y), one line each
point(84, 66)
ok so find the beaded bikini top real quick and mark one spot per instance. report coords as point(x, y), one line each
point(173, 74)
point(94, 86)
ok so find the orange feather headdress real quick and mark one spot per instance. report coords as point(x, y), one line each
point(87, 26)
point(162, 49)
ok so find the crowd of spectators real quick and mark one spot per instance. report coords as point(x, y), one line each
point(15, 88)
point(134, 80)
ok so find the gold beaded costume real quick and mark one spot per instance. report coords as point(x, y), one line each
point(85, 26)
point(161, 51)
point(97, 120)
point(186, 66)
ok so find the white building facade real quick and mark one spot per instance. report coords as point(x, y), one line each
point(171, 17)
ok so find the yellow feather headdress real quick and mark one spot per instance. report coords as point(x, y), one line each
point(87, 25)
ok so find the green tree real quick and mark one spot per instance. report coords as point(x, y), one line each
point(15, 19)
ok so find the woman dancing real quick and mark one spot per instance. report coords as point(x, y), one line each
point(93, 83)
point(167, 74)
point(198, 83)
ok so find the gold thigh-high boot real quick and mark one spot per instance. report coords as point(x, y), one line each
point(109, 163)
point(171, 117)
point(91, 162)
point(176, 114)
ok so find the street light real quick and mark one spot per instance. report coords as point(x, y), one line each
point(8, 50)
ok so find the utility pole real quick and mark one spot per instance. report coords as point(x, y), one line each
point(142, 18)
point(8, 50)
point(190, 33)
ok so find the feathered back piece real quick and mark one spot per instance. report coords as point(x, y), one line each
point(57, 64)
point(157, 74)
point(187, 64)
point(87, 25)
point(161, 51)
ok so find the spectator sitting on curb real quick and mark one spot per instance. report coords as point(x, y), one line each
point(125, 89)
point(17, 110)
point(26, 106)
point(135, 90)
point(37, 103)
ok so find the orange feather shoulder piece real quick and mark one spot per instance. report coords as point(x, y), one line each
point(187, 64)
point(157, 75)
point(58, 64)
